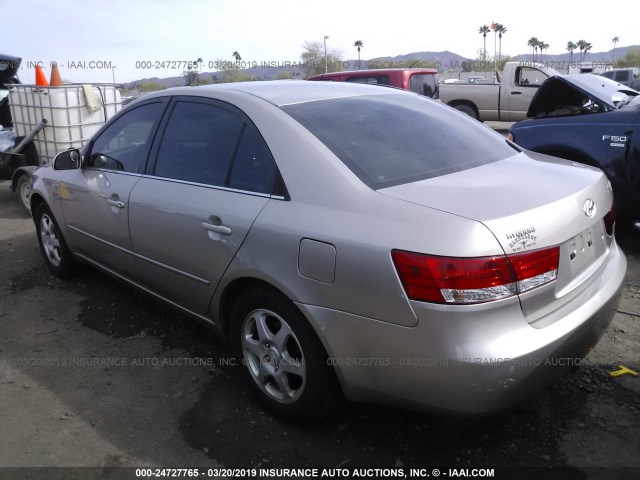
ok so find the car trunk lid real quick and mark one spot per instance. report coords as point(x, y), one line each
point(529, 202)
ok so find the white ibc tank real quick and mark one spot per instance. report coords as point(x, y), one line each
point(70, 123)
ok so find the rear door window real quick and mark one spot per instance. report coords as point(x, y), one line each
point(198, 143)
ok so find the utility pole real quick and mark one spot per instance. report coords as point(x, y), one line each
point(325, 54)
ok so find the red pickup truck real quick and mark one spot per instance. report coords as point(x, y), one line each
point(419, 80)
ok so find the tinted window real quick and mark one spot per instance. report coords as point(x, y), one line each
point(392, 139)
point(424, 84)
point(373, 79)
point(198, 143)
point(623, 76)
point(608, 74)
point(124, 145)
point(253, 167)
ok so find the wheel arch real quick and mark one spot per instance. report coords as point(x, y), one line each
point(36, 200)
point(233, 289)
point(466, 103)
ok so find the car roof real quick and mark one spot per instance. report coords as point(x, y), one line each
point(285, 92)
point(376, 71)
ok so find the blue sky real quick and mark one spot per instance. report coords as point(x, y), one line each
point(96, 41)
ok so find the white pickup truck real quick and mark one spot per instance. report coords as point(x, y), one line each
point(507, 101)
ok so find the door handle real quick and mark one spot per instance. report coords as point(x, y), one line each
point(516, 93)
point(115, 203)
point(223, 229)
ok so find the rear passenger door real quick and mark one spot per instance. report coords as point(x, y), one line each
point(191, 211)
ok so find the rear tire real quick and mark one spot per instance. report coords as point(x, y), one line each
point(281, 357)
point(57, 256)
point(467, 110)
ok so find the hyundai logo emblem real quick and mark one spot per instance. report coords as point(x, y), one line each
point(589, 207)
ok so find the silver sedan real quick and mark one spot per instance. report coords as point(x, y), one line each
point(350, 241)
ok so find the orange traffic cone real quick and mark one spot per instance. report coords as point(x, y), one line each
point(56, 79)
point(41, 80)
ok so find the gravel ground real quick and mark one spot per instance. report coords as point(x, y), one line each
point(64, 406)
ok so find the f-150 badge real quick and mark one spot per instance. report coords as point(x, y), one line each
point(615, 140)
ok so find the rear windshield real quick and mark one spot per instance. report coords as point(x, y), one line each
point(423, 83)
point(389, 140)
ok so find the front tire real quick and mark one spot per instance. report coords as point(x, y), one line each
point(281, 357)
point(57, 256)
point(23, 187)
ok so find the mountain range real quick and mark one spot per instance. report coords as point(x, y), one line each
point(444, 61)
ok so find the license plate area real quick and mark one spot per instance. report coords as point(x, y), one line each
point(579, 255)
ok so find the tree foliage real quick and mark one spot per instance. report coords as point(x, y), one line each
point(631, 59)
point(150, 86)
point(314, 60)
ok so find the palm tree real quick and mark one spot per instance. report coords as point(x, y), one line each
point(484, 29)
point(581, 45)
point(359, 44)
point(570, 48)
point(544, 46)
point(587, 47)
point(199, 62)
point(236, 55)
point(615, 40)
point(533, 42)
point(498, 27)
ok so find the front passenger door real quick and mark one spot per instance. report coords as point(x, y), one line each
point(95, 198)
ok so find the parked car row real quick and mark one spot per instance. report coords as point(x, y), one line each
point(349, 240)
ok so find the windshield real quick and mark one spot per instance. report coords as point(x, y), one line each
point(388, 140)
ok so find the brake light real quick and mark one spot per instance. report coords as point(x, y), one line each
point(610, 220)
point(474, 280)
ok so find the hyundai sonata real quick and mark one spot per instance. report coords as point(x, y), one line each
point(348, 240)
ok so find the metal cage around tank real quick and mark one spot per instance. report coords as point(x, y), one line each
point(70, 122)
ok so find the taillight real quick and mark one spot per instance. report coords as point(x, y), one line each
point(610, 220)
point(474, 280)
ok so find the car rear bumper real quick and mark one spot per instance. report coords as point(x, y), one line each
point(466, 359)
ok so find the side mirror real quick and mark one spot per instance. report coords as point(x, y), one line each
point(67, 160)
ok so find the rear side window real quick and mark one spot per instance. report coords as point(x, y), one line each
point(623, 76)
point(424, 84)
point(198, 143)
point(254, 169)
point(392, 139)
point(371, 79)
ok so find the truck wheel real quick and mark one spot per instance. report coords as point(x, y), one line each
point(468, 110)
point(281, 357)
point(57, 255)
point(23, 188)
